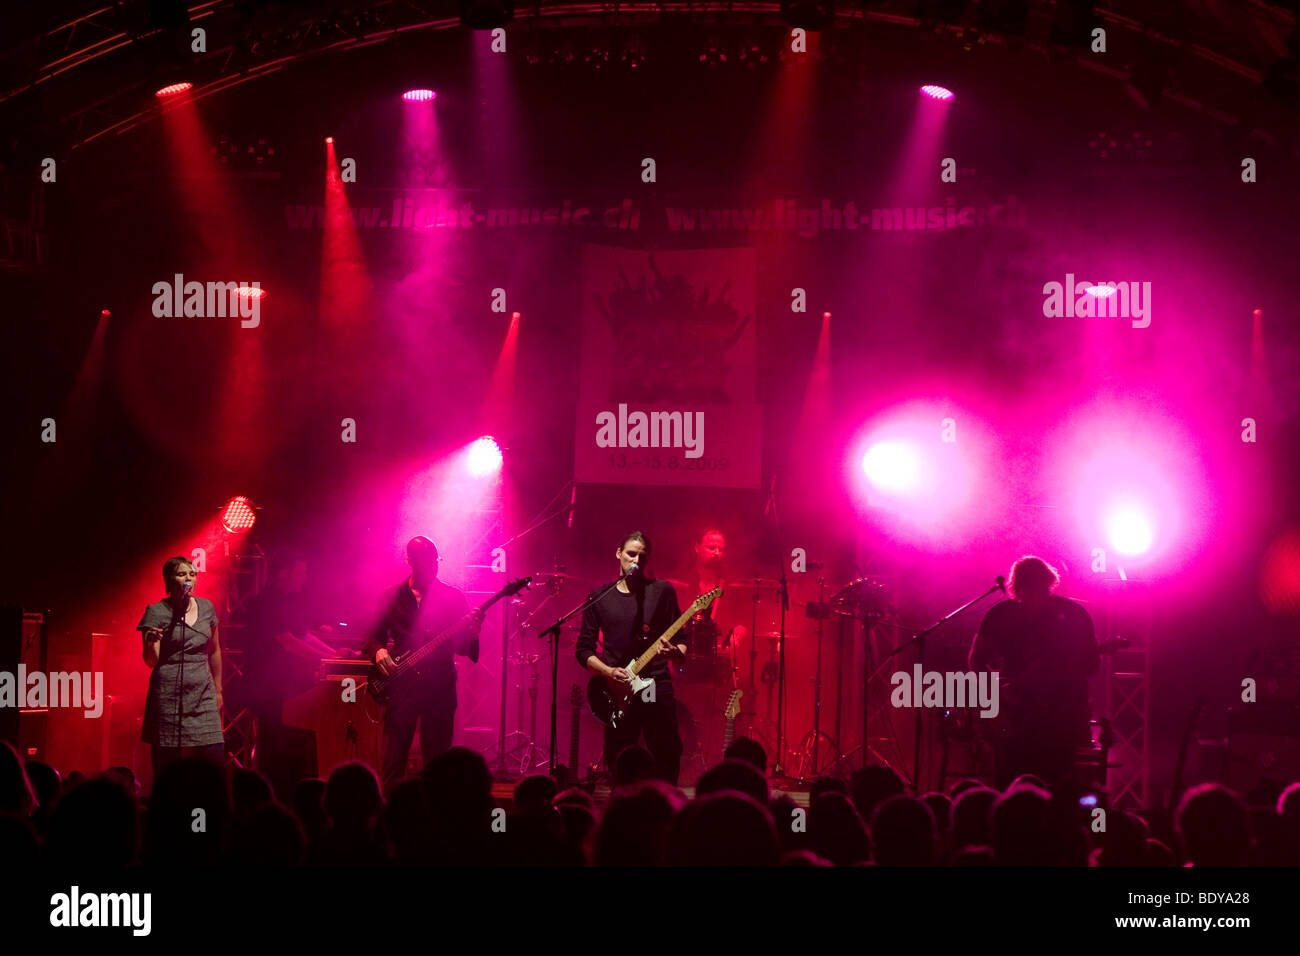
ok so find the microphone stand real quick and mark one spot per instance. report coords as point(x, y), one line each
point(553, 632)
point(180, 697)
point(817, 682)
point(501, 770)
point(778, 772)
point(919, 640)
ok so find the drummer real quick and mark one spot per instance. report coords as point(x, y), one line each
point(718, 628)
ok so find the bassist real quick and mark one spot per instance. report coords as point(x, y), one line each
point(410, 614)
point(629, 619)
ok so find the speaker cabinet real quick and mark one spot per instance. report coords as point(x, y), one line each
point(23, 642)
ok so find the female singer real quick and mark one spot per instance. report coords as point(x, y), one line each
point(182, 714)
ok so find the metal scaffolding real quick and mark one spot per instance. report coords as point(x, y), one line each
point(1126, 683)
point(243, 576)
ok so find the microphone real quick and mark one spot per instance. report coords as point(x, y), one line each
point(632, 569)
point(573, 499)
point(1001, 583)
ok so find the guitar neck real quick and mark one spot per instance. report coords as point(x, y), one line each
point(653, 650)
point(730, 735)
point(420, 653)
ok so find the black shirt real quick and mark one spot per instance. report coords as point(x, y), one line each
point(1045, 656)
point(628, 624)
point(405, 624)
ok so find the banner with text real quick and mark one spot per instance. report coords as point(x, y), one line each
point(669, 369)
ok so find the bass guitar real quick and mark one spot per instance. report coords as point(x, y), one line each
point(414, 664)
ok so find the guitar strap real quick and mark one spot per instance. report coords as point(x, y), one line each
point(651, 610)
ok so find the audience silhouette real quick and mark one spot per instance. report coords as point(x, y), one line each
point(201, 814)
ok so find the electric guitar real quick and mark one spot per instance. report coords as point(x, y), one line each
point(730, 713)
point(414, 664)
point(609, 700)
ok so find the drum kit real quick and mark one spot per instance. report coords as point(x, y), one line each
point(818, 689)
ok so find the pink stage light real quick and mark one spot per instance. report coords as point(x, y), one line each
point(419, 96)
point(1137, 485)
point(892, 467)
point(1129, 530)
point(248, 292)
point(173, 89)
point(484, 457)
point(937, 92)
point(238, 515)
point(1101, 291)
point(912, 479)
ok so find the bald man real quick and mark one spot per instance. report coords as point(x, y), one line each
point(410, 615)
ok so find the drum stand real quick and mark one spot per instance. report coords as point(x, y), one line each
point(763, 728)
point(864, 750)
point(808, 764)
point(507, 763)
point(526, 757)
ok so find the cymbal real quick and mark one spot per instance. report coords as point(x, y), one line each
point(858, 590)
point(567, 628)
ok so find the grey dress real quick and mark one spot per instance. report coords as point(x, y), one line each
point(199, 722)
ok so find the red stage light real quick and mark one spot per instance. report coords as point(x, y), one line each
point(329, 139)
point(248, 292)
point(173, 89)
point(238, 515)
point(419, 96)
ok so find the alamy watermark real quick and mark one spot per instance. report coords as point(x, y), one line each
point(946, 689)
point(1084, 299)
point(651, 430)
point(212, 300)
point(37, 690)
point(75, 909)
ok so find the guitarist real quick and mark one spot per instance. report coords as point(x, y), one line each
point(411, 613)
point(628, 619)
point(1044, 647)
